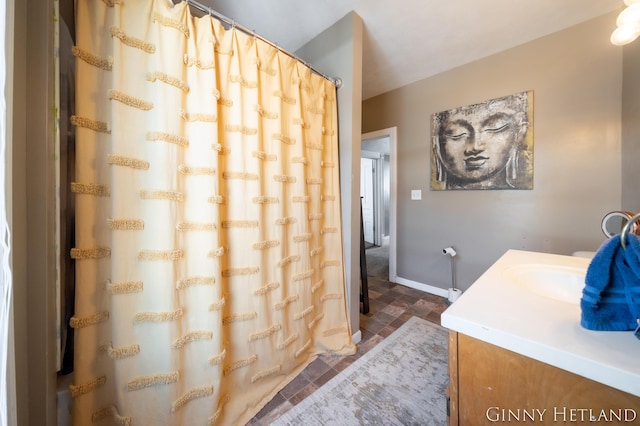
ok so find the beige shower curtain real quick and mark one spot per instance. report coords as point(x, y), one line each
point(208, 237)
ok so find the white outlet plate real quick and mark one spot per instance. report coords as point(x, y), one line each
point(416, 194)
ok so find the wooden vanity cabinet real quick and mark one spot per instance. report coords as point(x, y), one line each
point(490, 385)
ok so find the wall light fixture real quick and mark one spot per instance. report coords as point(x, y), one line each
point(628, 24)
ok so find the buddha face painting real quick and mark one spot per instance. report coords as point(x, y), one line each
point(484, 146)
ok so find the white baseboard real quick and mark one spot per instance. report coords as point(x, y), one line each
point(357, 337)
point(423, 287)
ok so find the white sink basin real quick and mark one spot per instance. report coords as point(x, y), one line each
point(528, 302)
point(563, 283)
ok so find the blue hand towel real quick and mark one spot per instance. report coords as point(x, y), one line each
point(611, 296)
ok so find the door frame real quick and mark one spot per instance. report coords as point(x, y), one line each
point(390, 133)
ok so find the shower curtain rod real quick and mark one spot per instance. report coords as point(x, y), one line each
point(335, 80)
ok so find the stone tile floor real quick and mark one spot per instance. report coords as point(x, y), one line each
point(390, 306)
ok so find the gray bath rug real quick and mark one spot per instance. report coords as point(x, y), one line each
point(401, 381)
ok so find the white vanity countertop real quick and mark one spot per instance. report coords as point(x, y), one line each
point(502, 313)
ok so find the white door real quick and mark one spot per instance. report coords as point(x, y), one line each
point(390, 134)
point(367, 179)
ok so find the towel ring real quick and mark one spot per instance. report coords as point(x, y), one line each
point(625, 230)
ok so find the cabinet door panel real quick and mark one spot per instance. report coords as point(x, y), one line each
point(497, 385)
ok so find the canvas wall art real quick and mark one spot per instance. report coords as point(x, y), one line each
point(488, 145)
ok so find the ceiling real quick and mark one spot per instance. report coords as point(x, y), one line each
point(414, 39)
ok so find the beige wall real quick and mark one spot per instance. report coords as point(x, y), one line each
point(337, 51)
point(576, 77)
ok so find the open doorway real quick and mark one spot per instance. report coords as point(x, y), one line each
point(377, 192)
point(370, 170)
